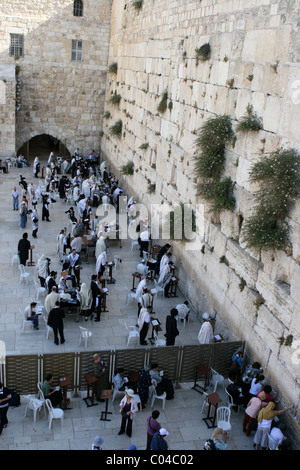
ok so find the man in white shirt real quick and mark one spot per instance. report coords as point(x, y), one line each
point(76, 244)
point(206, 333)
point(139, 289)
point(15, 196)
point(30, 314)
point(165, 277)
point(51, 299)
point(144, 241)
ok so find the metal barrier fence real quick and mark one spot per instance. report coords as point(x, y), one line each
point(22, 373)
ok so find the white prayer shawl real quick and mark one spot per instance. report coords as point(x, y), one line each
point(146, 300)
point(100, 247)
point(86, 188)
point(163, 262)
point(42, 266)
point(144, 317)
point(73, 259)
point(76, 193)
point(206, 333)
point(34, 217)
point(85, 297)
point(101, 261)
point(164, 276)
point(50, 301)
point(139, 290)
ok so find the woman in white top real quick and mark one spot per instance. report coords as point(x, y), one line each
point(128, 408)
point(256, 385)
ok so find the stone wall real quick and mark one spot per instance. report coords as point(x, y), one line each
point(59, 97)
point(7, 111)
point(255, 60)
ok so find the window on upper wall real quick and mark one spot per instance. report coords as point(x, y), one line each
point(76, 50)
point(16, 48)
point(78, 8)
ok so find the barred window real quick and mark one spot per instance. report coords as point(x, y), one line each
point(78, 8)
point(76, 50)
point(16, 45)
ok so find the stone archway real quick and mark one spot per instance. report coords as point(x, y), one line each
point(41, 145)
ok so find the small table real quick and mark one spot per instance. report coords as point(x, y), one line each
point(64, 382)
point(201, 370)
point(103, 279)
point(110, 279)
point(91, 380)
point(105, 395)
point(31, 262)
point(173, 286)
point(134, 276)
point(213, 400)
point(156, 328)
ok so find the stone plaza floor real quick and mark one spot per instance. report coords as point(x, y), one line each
point(182, 416)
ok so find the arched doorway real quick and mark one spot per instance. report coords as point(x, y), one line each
point(41, 146)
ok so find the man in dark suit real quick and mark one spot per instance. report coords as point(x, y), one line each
point(55, 320)
point(96, 293)
point(52, 281)
point(171, 327)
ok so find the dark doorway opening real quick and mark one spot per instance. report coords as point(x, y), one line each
point(41, 146)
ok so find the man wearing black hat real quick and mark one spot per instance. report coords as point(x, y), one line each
point(52, 281)
point(55, 320)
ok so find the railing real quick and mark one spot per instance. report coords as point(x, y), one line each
point(21, 373)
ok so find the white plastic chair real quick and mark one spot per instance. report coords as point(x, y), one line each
point(159, 288)
point(33, 404)
point(116, 391)
point(152, 392)
point(130, 296)
point(85, 335)
point(40, 391)
point(48, 328)
point(230, 403)
point(133, 243)
point(24, 275)
point(39, 290)
point(138, 401)
point(205, 403)
point(133, 332)
point(223, 418)
point(271, 443)
point(14, 257)
point(158, 342)
point(118, 262)
point(216, 379)
point(25, 322)
point(54, 413)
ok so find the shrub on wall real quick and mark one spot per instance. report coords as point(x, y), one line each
point(203, 53)
point(115, 98)
point(116, 129)
point(279, 179)
point(113, 68)
point(250, 121)
point(209, 164)
point(163, 104)
point(127, 169)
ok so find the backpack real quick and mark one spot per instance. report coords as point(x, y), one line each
point(210, 445)
point(15, 399)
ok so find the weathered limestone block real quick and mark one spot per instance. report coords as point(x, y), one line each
point(276, 299)
point(245, 266)
point(269, 328)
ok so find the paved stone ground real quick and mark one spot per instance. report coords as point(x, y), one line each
point(182, 416)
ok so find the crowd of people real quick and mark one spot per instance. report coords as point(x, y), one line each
point(81, 183)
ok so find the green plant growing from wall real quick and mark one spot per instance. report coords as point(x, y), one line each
point(203, 53)
point(116, 129)
point(210, 162)
point(144, 146)
point(107, 115)
point(250, 121)
point(279, 179)
point(138, 4)
point(163, 104)
point(151, 188)
point(113, 68)
point(128, 169)
point(115, 99)
point(259, 301)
